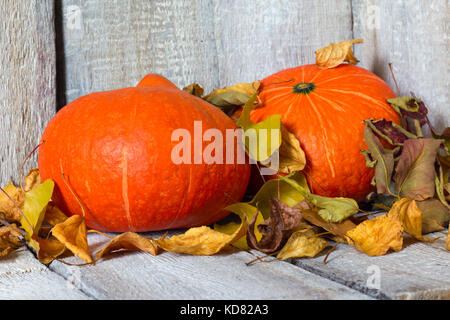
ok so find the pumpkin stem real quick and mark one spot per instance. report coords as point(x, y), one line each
point(304, 87)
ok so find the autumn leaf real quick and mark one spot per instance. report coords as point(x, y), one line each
point(32, 179)
point(390, 131)
point(48, 249)
point(377, 236)
point(194, 89)
point(10, 210)
point(408, 106)
point(261, 139)
point(233, 96)
point(435, 216)
point(410, 216)
point(302, 244)
point(292, 156)
point(10, 239)
point(444, 136)
point(72, 233)
point(128, 241)
point(442, 185)
point(53, 215)
point(415, 172)
point(334, 54)
point(202, 240)
point(383, 161)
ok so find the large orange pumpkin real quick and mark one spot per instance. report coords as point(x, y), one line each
point(114, 149)
point(325, 108)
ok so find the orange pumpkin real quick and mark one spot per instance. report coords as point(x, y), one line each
point(114, 149)
point(325, 108)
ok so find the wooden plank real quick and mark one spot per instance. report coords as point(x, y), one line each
point(110, 44)
point(411, 35)
point(419, 271)
point(27, 80)
point(255, 40)
point(23, 277)
point(134, 275)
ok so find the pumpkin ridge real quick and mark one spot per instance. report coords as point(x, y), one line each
point(348, 76)
point(331, 103)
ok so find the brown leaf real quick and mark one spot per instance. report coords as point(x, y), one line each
point(32, 179)
point(194, 89)
point(415, 172)
point(48, 249)
point(10, 239)
point(233, 96)
point(202, 240)
point(302, 244)
point(72, 233)
point(410, 216)
point(377, 236)
point(435, 216)
point(53, 215)
point(8, 210)
point(334, 54)
point(128, 241)
point(390, 131)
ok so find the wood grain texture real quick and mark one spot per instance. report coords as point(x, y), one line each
point(23, 277)
point(137, 275)
point(114, 44)
point(255, 40)
point(413, 36)
point(27, 80)
point(419, 271)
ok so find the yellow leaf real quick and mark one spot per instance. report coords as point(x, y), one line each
point(9, 239)
point(53, 215)
point(47, 249)
point(8, 210)
point(302, 244)
point(72, 233)
point(202, 240)
point(32, 179)
point(128, 241)
point(375, 237)
point(194, 89)
point(233, 96)
point(334, 54)
point(410, 216)
point(292, 156)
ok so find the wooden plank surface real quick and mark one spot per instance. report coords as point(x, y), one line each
point(110, 44)
point(27, 80)
point(255, 40)
point(135, 275)
point(419, 271)
point(23, 277)
point(413, 36)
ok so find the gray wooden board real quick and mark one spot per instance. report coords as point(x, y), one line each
point(23, 277)
point(137, 275)
point(419, 271)
point(27, 80)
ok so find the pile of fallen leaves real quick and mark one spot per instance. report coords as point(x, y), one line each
point(284, 217)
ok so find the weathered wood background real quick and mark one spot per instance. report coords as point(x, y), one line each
point(52, 52)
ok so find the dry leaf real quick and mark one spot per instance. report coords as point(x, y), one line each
point(390, 131)
point(292, 156)
point(128, 241)
point(435, 216)
point(334, 54)
point(194, 89)
point(375, 237)
point(8, 210)
point(32, 179)
point(202, 240)
point(9, 239)
point(447, 242)
point(302, 244)
point(410, 216)
point(72, 233)
point(233, 96)
point(48, 249)
point(53, 215)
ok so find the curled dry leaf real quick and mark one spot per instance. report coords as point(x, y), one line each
point(53, 215)
point(202, 240)
point(194, 89)
point(292, 156)
point(10, 239)
point(32, 179)
point(48, 249)
point(9, 210)
point(128, 241)
point(233, 96)
point(72, 233)
point(410, 107)
point(377, 236)
point(334, 54)
point(415, 172)
point(390, 131)
point(302, 244)
point(410, 217)
point(435, 216)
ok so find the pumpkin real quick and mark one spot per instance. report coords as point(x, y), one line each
point(325, 109)
point(109, 154)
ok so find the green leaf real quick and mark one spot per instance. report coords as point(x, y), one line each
point(36, 201)
point(415, 172)
point(261, 139)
